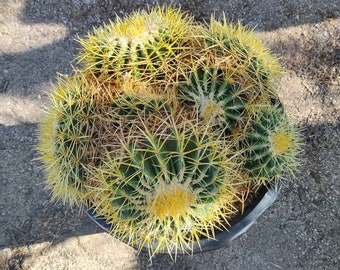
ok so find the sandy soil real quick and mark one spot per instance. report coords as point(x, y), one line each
point(300, 231)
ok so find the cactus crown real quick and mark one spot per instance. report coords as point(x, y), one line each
point(165, 125)
point(140, 46)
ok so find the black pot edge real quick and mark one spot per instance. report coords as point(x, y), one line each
point(223, 238)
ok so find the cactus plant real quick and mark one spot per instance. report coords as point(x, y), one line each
point(214, 98)
point(246, 57)
point(166, 128)
point(144, 46)
point(67, 137)
point(233, 75)
point(272, 146)
point(169, 184)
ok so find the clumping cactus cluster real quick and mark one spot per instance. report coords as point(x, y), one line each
point(166, 126)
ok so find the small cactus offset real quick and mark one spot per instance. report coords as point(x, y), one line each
point(67, 138)
point(166, 127)
point(272, 146)
point(215, 99)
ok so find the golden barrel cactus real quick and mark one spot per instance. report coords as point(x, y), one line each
point(166, 127)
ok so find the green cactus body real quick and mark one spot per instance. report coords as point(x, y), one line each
point(160, 162)
point(216, 99)
point(142, 46)
point(271, 145)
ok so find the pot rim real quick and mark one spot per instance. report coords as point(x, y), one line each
point(223, 238)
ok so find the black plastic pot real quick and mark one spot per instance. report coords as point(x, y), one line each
point(239, 225)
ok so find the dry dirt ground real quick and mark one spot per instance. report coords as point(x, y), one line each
point(300, 231)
